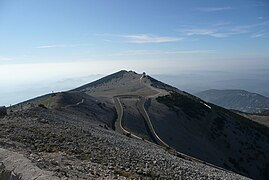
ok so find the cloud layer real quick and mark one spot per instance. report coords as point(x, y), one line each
point(140, 38)
point(160, 52)
point(213, 9)
point(146, 38)
point(223, 30)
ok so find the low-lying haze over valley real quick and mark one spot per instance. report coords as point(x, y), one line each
point(253, 80)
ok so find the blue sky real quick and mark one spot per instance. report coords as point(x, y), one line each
point(41, 40)
point(36, 31)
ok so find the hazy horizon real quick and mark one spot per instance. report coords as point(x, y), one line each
point(192, 82)
point(194, 45)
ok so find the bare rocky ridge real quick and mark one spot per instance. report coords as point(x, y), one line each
point(73, 147)
point(79, 134)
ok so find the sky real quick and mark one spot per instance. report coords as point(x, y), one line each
point(44, 42)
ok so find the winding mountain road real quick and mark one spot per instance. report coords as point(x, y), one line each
point(118, 124)
point(141, 107)
point(142, 110)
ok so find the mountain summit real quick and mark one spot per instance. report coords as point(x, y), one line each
point(132, 125)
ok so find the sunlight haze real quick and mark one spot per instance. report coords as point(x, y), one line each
point(49, 41)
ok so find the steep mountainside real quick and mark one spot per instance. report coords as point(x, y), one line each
point(187, 124)
point(131, 125)
point(236, 99)
point(212, 134)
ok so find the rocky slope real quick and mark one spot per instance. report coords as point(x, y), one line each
point(236, 99)
point(81, 134)
point(72, 146)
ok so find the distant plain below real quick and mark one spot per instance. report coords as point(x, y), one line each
point(193, 82)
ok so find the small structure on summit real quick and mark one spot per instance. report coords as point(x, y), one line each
point(143, 75)
point(3, 111)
